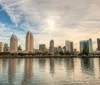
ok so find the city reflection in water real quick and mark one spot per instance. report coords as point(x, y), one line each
point(0, 65)
point(87, 64)
point(28, 71)
point(69, 66)
point(12, 70)
point(52, 66)
point(42, 62)
point(50, 71)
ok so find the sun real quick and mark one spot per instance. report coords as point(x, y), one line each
point(51, 24)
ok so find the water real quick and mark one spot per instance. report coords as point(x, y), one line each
point(54, 71)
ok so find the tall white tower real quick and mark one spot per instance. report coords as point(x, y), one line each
point(13, 43)
point(29, 42)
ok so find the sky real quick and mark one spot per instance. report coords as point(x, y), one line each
point(60, 20)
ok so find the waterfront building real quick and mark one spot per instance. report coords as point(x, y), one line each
point(59, 49)
point(69, 46)
point(6, 47)
point(64, 49)
point(42, 47)
point(75, 51)
point(36, 50)
point(13, 43)
point(98, 44)
point(55, 49)
point(86, 45)
point(51, 48)
point(1, 47)
point(29, 42)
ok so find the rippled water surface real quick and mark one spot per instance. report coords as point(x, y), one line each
point(54, 71)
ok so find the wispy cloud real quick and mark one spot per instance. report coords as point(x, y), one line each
point(58, 19)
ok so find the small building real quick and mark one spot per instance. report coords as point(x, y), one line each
point(6, 47)
point(42, 47)
point(1, 47)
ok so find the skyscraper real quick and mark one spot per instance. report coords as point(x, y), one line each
point(90, 45)
point(98, 44)
point(29, 42)
point(13, 43)
point(86, 45)
point(6, 47)
point(51, 48)
point(1, 47)
point(42, 47)
point(69, 46)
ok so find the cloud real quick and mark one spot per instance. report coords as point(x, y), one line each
point(58, 19)
point(6, 32)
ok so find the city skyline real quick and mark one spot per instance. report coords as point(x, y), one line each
point(50, 42)
point(50, 20)
point(32, 43)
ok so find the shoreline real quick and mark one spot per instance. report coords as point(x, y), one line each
point(64, 56)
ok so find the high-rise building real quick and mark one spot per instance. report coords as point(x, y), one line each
point(42, 47)
point(29, 42)
point(1, 47)
point(6, 47)
point(86, 45)
point(98, 44)
point(13, 43)
point(69, 46)
point(51, 48)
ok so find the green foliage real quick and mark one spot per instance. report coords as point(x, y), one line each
point(67, 53)
point(19, 48)
point(5, 53)
point(56, 53)
point(45, 53)
point(61, 53)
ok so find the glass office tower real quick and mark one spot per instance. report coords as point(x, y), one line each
point(86, 45)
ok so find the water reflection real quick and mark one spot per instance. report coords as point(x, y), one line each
point(12, 70)
point(77, 69)
point(52, 66)
point(0, 65)
point(42, 63)
point(28, 71)
point(5, 65)
point(69, 62)
point(96, 68)
point(87, 64)
point(69, 66)
point(53, 71)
